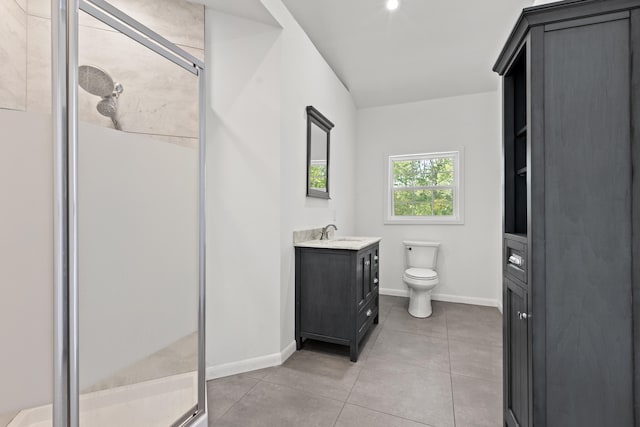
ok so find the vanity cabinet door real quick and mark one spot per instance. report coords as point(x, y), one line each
point(516, 355)
point(364, 282)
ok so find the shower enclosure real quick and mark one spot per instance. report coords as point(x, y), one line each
point(113, 110)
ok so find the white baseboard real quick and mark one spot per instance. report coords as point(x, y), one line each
point(446, 298)
point(465, 300)
point(287, 352)
point(247, 365)
point(395, 292)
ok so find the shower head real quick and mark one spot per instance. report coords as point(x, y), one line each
point(95, 81)
point(108, 106)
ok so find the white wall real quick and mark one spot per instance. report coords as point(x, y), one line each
point(243, 189)
point(308, 80)
point(469, 261)
point(261, 78)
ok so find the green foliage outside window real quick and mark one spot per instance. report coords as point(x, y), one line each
point(409, 199)
point(318, 176)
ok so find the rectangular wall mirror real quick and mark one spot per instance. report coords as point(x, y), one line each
point(318, 141)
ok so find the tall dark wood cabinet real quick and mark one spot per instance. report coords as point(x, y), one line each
point(571, 252)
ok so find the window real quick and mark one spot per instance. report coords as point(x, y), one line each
point(425, 189)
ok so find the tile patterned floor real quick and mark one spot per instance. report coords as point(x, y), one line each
point(442, 371)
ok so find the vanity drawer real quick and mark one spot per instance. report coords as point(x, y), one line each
point(366, 315)
point(515, 259)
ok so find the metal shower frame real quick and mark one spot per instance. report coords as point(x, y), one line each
point(64, 32)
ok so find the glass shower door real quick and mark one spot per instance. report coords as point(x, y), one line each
point(138, 225)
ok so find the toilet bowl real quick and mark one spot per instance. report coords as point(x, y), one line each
point(420, 275)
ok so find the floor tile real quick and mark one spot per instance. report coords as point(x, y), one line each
point(463, 329)
point(414, 349)
point(222, 393)
point(477, 402)
point(368, 342)
point(435, 325)
point(475, 313)
point(475, 360)
point(405, 391)
point(270, 405)
point(356, 416)
point(259, 373)
point(385, 303)
point(327, 375)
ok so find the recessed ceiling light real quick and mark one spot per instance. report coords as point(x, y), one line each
point(392, 4)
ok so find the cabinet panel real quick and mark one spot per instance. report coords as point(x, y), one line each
point(364, 278)
point(325, 294)
point(588, 225)
point(516, 355)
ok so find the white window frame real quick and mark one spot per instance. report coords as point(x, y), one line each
point(458, 190)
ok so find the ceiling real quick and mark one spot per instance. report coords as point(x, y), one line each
point(250, 9)
point(425, 49)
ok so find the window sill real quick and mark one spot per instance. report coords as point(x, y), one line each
point(423, 221)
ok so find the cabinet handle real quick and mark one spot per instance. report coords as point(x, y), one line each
point(523, 316)
point(369, 313)
point(367, 262)
point(375, 281)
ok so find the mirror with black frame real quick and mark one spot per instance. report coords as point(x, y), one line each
point(318, 140)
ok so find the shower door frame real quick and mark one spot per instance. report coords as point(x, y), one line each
point(64, 32)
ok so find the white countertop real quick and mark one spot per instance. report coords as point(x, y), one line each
point(352, 243)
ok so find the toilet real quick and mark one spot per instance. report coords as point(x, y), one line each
point(420, 275)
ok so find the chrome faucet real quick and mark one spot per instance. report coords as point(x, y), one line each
point(325, 231)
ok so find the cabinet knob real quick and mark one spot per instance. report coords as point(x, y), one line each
point(367, 262)
point(523, 316)
point(375, 258)
point(369, 313)
point(375, 281)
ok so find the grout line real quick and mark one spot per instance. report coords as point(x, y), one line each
point(353, 386)
point(307, 392)
point(21, 8)
point(237, 401)
point(453, 401)
point(392, 415)
point(339, 413)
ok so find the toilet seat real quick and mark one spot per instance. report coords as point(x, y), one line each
point(421, 274)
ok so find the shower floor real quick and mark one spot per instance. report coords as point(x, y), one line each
point(153, 391)
point(150, 403)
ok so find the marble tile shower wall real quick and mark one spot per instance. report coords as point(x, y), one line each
point(160, 99)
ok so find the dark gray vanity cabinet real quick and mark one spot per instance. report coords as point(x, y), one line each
point(336, 295)
point(571, 252)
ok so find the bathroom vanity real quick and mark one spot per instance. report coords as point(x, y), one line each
point(337, 290)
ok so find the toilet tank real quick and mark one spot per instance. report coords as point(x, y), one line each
point(421, 254)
